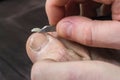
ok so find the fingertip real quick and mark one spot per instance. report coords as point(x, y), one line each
point(55, 10)
point(73, 28)
point(64, 28)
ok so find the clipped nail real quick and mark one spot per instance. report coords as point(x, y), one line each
point(37, 41)
point(65, 28)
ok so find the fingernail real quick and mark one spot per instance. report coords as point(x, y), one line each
point(37, 41)
point(65, 28)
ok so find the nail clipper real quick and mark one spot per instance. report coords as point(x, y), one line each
point(46, 28)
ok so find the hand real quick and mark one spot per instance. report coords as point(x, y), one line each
point(54, 61)
point(89, 32)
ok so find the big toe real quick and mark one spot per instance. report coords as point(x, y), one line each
point(44, 46)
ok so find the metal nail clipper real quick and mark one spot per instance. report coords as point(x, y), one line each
point(46, 28)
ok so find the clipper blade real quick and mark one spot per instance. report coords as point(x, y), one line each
point(46, 28)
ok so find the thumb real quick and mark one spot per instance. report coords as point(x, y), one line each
point(90, 32)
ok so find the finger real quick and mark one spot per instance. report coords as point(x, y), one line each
point(90, 32)
point(116, 10)
point(75, 71)
point(56, 9)
point(115, 7)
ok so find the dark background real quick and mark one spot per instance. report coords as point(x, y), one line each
point(17, 18)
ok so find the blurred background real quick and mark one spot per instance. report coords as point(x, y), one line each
point(17, 18)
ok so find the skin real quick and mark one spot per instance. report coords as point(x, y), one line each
point(55, 58)
point(55, 66)
point(96, 33)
